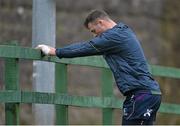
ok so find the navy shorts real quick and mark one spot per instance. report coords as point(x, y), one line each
point(140, 108)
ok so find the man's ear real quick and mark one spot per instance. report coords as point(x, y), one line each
point(100, 21)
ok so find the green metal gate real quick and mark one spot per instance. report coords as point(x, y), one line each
point(12, 96)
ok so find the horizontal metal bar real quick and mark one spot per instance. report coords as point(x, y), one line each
point(10, 96)
point(64, 99)
point(165, 71)
point(80, 101)
point(34, 54)
point(94, 61)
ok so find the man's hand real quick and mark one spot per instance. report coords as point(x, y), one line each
point(47, 50)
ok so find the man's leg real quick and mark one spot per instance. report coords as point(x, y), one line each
point(136, 122)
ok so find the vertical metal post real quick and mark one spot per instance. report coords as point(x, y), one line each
point(107, 91)
point(61, 87)
point(11, 83)
point(44, 21)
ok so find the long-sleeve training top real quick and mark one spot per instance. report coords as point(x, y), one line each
point(123, 53)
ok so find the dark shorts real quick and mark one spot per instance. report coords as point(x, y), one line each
point(140, 108)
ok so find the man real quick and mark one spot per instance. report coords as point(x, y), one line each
point(122, 51)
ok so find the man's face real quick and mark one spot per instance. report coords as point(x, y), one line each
point(96, 27)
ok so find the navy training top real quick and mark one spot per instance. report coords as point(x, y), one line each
point(123, 53)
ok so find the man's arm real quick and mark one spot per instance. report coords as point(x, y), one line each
point(78, 50)
point(72, 50)
point(97, 46)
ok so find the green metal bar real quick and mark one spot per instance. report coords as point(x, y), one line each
point(34, 54)
point(170, 108)
point(61, 87)
point(165, 71)
point(11, 96)
point(59, 99)
point(107, 91)
point(11, 83)
point(94, 61)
